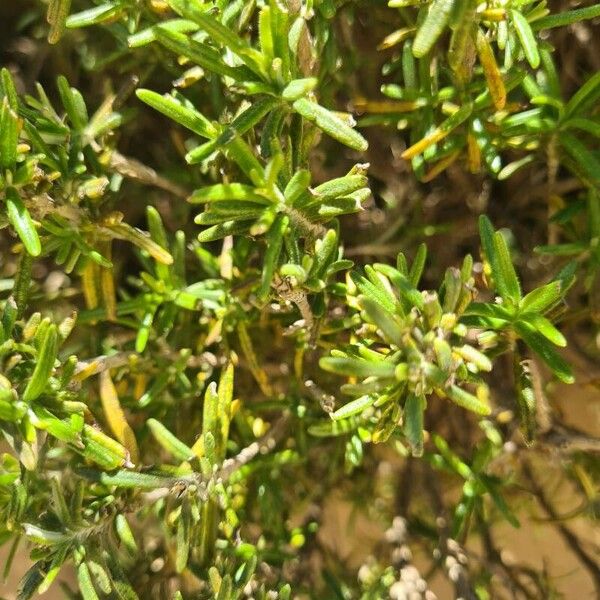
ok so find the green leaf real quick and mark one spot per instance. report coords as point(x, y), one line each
point(567, 17)
point(175, 110)
point(198, 53)
point(453, 289)
point(506, 270)
point(452, 459)
point(148, 35)
point(527, 38)
point(357, 367)
point(297, 186)
point(543, 348)
point(542, 298)
point(122, 587)
point(385, 321)
point(492, 490)
point(585, 97)
point(526, 399)
point(58, 560)
point(331, 428)
point(274, 241)
point(433, 26)
point(325, 252)
point(9, 134)
point(545, 327)
point(247, 120)
point(418, 265)
point(501, 266)
point(443, 354)
point(86, 587)
point(413, 422)
point(228, 210)
point(227, 191)
point(100, 576)
point(44, 364)
point(93, 16)
point(128, 479)
point(74, 104)
point(222, 230)
point(21, 220)
point(331, 124)
point(265, 34)
point(367, 288)
point(8, 88)
point(467, 400)
point(353, 408)
point(59, 428)
point(169, 442)
point(43, 537)
point(219, 33)
point(125, 534)
point(103, 450)
point(182, 539)
point(403, 284)
point(571, 249)
point(585, 125)
point(584, 159)
point(298, 88)
point(338, 187)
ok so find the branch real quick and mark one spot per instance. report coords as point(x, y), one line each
point(590, 565)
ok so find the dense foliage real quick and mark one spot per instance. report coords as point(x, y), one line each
point(218, 311)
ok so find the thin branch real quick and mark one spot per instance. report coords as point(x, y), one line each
point(590, 565)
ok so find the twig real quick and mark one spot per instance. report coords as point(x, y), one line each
point(264, 445)
point(590, 565)
point(134, 169)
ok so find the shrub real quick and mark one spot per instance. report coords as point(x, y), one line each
point(198, 355)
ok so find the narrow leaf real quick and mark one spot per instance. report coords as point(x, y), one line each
point(433, 26)
point(353, 408)
point(274, 244)
point(21, 220)
point(169, 442)
point(116, 417)
point(567, 17)
point(526, 37)
point(545, 327)
point(384, 320)
point(440, 132)
point(44, 364)
point(467, 400)
point(506, 269)
point(413, 421)
point(175, 110)
point(542, 298)
point(355, 367)
point(331, 124)
point(543, 348)
point(491, 70)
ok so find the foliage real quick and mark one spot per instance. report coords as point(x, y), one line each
point(191, 364)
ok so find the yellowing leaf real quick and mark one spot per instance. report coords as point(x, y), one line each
point(116, 417)
point(491, 71)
